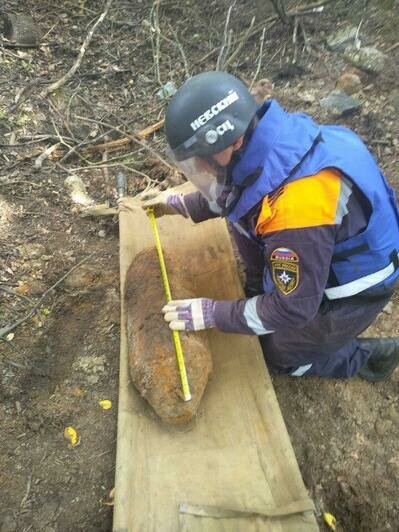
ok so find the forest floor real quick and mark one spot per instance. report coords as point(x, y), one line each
point(59, 363)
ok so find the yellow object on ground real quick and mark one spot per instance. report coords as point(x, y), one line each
point(71, 435)
point(330, 520)
point(105, 404)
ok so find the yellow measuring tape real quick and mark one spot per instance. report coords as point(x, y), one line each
point(176, 337)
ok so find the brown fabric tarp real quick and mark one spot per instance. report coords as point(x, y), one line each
point(234, 469)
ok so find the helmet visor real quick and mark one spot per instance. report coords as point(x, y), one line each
point(207, 175)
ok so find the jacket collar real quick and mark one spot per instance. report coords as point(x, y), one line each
point(273, 153)
point(277, 146)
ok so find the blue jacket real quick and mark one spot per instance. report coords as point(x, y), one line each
point(288, 146)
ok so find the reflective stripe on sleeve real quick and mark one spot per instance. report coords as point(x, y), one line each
point(197, 314)
point(252, 317)
point(215, 207)
point(344, 195)
point(357, 286)
point(301, 370)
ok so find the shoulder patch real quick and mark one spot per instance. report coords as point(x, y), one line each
point(285, 269)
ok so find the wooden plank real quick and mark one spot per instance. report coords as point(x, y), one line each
point(237, 453)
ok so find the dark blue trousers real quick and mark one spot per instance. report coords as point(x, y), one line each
point(327, 346)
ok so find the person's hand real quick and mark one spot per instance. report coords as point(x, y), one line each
point(164, 203)
point(190, 314)
point(158, 202)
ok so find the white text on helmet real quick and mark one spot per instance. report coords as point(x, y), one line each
point(226, 126)
point(214, 110)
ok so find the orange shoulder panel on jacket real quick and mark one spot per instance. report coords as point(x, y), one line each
point(307, 202)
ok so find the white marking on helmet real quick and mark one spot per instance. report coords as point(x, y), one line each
point(214, 110)
point(226, 126)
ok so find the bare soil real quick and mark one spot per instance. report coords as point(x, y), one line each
point(56, 366)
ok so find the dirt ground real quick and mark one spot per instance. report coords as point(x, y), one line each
point(60, 362)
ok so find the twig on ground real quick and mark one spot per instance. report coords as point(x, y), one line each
point(392, 48)
point(255, 30)
point(64, 143)
point(133, 25)
point(181, 50)
point(273, 56)
point(112, 144)
point(294, 39)
point(310, 9)
point(61, 140)
point(356, 41)
point(226, 38)
point(6, 330)
point(22, 160)
point(104, 159)
point(262, 40)
point(13, 293)
point(241, 44)
point(45, 154)
point(111, 165)
point(279, 8)
point(33, 140)
point(141, 174)
point(133, 138)
point(119, 143)
point(23, 144)
point(28, 486)
point(155, 39)
point(82, 52)
point(18, 182)
point(306, 39)
point(151, 129)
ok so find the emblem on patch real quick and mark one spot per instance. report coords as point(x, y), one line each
point(285, 269)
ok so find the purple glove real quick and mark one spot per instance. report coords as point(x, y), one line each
point(190, 314)
point(176, 201)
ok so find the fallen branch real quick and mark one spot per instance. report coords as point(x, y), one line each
point(86, 142)
point(151, 129)
point(109, 146)
point(133, 138)
point(82, 52)
point(118, 143)
point(6, 330)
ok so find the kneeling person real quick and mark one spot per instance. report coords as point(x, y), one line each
point(314, 220)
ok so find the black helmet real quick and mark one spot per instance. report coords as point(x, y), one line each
point(208, 114)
